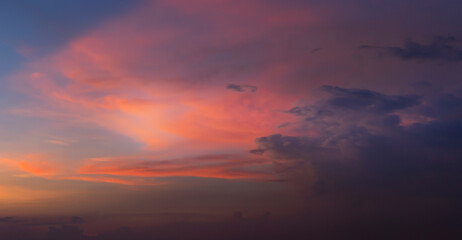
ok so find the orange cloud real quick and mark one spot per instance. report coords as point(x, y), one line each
point(38, 168)
point(130, 182)
point(38, 165)
point(34, 164)
point(212, 166)
point(143, 170)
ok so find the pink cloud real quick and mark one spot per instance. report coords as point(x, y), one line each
point(211, 166)
point(163, 84)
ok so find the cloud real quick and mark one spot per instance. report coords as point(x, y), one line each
point(35, 164)
point(444, 106)
point(257, 151)
point(241, 88)
point(34, 222)
point(122, 180)
point(144, 170)
point(225, 166)
point(364, 155)
point(287, 147)
point(440, 49)
point(346, 111)
point(66, 221)
point(299, 111)
point(9, 220)
point(315, 50)
point(292, 156)
point(65, 232)
point(43, 166)
point(77, 220)
point(366, 100)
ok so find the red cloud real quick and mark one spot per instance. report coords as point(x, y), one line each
point(212, 166)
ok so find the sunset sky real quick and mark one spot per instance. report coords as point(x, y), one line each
point(301, 118)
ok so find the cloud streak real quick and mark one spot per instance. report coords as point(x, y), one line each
point(209, 166)
point(241, 88)
point(439, 49)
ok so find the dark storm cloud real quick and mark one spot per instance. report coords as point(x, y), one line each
point(440, 49)
point(344, 108)
point(287, 147)
point(445, 106)
point(365, 120)
point(368, 166)
point(241, 88)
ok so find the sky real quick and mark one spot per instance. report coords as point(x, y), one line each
point(230, 119)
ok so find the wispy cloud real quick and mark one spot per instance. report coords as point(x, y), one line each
point(241, 88)
point(440, 49)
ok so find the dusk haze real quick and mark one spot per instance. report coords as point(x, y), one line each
point(230, 119)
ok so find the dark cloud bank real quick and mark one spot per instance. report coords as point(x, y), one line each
point(367, 166)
